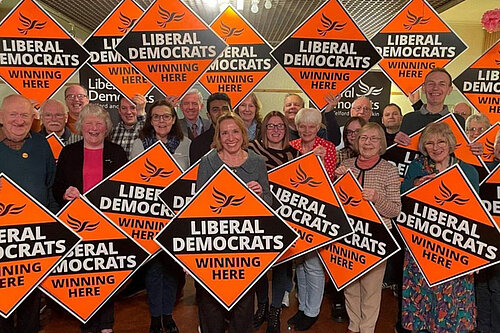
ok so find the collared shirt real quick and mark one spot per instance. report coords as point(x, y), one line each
point(15, 145)
point(64, 137)
point(199, 126)
point(125, 137)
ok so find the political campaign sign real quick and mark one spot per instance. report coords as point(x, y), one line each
point(488, 141)
point(180, 192)
point(171, 46)
point(413, 42)
point(129, 196)
point(109, 63)
point(326, 53)
point(371, 243)
point(226, 237)
point(401, 156)
point(55, 144)
point(489, 191)
point(32, 242)
point(243, 64)
point(97, 267)
point(447, 228)
point(376, 86)
point(37, 56)
point(309, 204)
point(480, 83)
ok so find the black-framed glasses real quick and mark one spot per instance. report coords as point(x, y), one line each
point(275, 126)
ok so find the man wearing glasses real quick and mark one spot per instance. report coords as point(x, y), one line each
point(54, 117)
point(76, 98)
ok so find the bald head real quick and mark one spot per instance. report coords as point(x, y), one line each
point(16, 115)
point(362, 107)
point(54, 116)
point(463, 109)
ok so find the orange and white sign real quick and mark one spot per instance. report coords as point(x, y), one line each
point(489, 191)
point(447, 228)
point(326, 53)
point(55, 144)
point(414, 42)
point(109, 63)
point(371, 243)
point(37, 56)
point(309, 204)
point(33, 241)
point(97, 267)
point(226, 237)
point(480, 83)
point(129, 197)
point(178, 193)
point(488, 141)
point(171, 46)
point(243, 64)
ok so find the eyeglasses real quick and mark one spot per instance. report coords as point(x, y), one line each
point(476, 129)
point(51, 116)
point(275, 126)
point(364, 108)
point(74, 96)
point(371, 138)
point(164, 117)
point(351, 132)
point(440, 144)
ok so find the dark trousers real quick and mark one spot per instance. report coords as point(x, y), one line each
point(488, 299)
point(28, 316)
point(161, 284)
point(282, 281)
point(212, 314)
point(102, 319)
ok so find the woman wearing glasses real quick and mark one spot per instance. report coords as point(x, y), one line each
point(273, 146)
point(450, 306)
point(380, 182)
point(162, 272)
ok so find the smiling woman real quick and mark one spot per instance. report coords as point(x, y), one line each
point(249, 111)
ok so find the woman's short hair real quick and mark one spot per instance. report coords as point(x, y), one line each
point(381, 133)
point(306, 115)
point(258, 107)
point(439, 129)
point(92, 109)
point(263, 132)
point(149, 131)
point(217, 144)
point(479, 118)
point(361, 121)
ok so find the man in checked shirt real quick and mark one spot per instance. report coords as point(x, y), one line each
point(133, 116)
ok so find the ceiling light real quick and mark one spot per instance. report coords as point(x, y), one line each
point(240, 4)
point(254, 9)
point(268, 4)
point(211, 3)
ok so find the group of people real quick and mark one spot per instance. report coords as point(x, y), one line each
point(251, 145)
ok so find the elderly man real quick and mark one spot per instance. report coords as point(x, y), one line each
point(54, 117)
point(132, 117)
point(76, 98)
point(193, 124)
point(463, 109)
point(217, 104)
point(391, 119)
point(26, 158)
point(362, 107)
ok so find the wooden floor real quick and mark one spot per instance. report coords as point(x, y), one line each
point(132, 316)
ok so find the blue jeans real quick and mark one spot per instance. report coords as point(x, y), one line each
point(311, 283)
point(282, 281)
point(161, 285)
point(488, 299)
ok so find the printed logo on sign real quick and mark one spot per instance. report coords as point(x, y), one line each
point(28, 24)
point(228, 32)
point(366, 90)
point(153, 171)
point(303, 179)
point(224, 201)
point(168, 17)
point(10, 209)
point(347, 199)
point(448, 196)
point(489, 149)
point(80, 226)
point(414, 20)
point(127, 23)
point(329, 25)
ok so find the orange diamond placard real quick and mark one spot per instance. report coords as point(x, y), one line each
point(178, 193)
point(371, 243)
point(447, 228)
point(309, 204)
point(33, 241)
point(109, 63)
point(488, 141)
point(55, 144)
point(171, 46)
point(129, 196)
point(227, 237)
point(489, 191)
point(480, 83)
point(243, 64)
point(413, 42)
point(37, 56)
point(97, 267)
point(326, 53)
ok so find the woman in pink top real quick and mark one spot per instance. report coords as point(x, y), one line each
point(82, 165)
